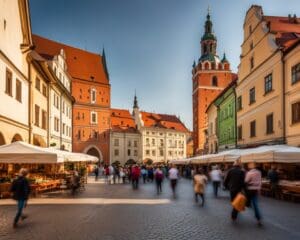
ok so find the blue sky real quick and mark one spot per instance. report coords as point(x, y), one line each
point(150, 45)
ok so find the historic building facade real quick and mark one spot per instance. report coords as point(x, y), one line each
point(226, 115)
point(91, 90)
point(163, 137)
point(262, 85)
point(15, 44)
point(211, 143)
point(125, 139)
point(210, 76)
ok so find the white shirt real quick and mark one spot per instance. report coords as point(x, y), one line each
point(216, 175)
point(173, 173)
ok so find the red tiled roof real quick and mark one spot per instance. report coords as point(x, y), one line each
point(81, 64)
point(122, 121)
point(163, 121)
point(287, 30)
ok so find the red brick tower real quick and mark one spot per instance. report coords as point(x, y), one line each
point(210, 76)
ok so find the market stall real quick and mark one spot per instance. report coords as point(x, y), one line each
point(48, 168)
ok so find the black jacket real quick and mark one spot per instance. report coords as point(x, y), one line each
point(235, 179)
point(20, 188)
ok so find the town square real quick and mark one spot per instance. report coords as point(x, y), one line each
point(149, 119)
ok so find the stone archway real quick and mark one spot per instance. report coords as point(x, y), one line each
point(2, 140)
point(16, 137)
point(94, 151)
point(39, 141)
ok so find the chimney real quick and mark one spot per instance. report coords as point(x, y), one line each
point(295, 20)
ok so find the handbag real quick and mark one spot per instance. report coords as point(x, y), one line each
point(239, 202)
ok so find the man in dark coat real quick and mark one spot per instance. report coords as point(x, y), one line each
point(21, 190)
point(235, 182)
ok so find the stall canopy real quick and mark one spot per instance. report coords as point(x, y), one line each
point(272, 153)
point(21, 152)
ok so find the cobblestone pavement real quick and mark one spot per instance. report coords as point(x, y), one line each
point(118, 212)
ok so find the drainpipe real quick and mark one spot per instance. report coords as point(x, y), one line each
point(283, 98)
point(235, 120)
point(29, 103)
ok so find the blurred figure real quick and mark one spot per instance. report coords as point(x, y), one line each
point(135, 175)
point(75, 182)
point(144, 174)
point(150, 174)
point(216, 178)
point(96, 172)
point(173, 176)
point(21, 190)
point(122, 174)
point(200, 181)
point(235, 183)
point(159, 176)
point(111, 174)
point(253, 186)
point(274, 179)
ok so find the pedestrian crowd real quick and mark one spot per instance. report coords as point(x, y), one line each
point(243, 185)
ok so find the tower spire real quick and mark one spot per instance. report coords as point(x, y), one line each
point(135, 102)
point(104, 63)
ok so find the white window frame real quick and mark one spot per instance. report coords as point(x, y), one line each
point(93, 95)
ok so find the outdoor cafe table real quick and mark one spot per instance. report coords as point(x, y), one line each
point(287, 185)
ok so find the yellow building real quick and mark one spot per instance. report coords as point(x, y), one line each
point(292, 90)
point(260, 90)
point(39, 99)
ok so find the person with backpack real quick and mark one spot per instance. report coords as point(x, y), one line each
point(159, 176)
point(21, 190)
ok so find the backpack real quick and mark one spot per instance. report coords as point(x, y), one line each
point(159, 176)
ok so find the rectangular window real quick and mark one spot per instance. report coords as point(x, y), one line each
point(251, 62)
point(239, 103)
point(18, 90)
point(296, 73)
point(153, 141)
point(161, 142)
point(147, 152)
point(135, 144)
point(93, 117)
point(44, 119)
point(295, 112)
point(240, 132)
point(252, 96)
point(116, 152)
point(78, 134)
point(161, 153)
point(129, 143)
point(128, 152)
point(135, 153)
point(8, 83)
point(153, 152)
point(37, 115)
point(268, 83)
point(44, 90)
point(253, 129)
point(63, 106)
point(93, 95)
point(116, 142)
point(38, 84)
point(269, 123)
point(63, 128)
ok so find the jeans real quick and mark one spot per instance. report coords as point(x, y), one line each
point(202, 197)
point(216, 185)
point(135, 183)
point(234, 212)
point(21, 205)
point(158, 186)
point(173, 185)
point(253, 198)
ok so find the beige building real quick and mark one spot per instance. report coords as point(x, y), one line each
point(15, 44)
point(292, 90)
point(211, 132)
point(163, 137)
point(260, 89)
point(125, 139)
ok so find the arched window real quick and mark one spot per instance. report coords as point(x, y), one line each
point(206, 66)
point(214, 81)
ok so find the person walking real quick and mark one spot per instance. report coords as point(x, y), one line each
point(173, 176)
point(235, 183)
point(21, 190)
point(135, 175)
point(111, 174)
point(144, 174)
point(96, 172)
point(158, 176)
point(274, 179)
point(200, 181)
point(253, 186)
point(150, 174)
point(216, 178)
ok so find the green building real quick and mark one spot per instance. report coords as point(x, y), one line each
point(226, 112)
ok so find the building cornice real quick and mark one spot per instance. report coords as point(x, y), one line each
point(213, 71)
point(208, 88)
point(13, 122)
